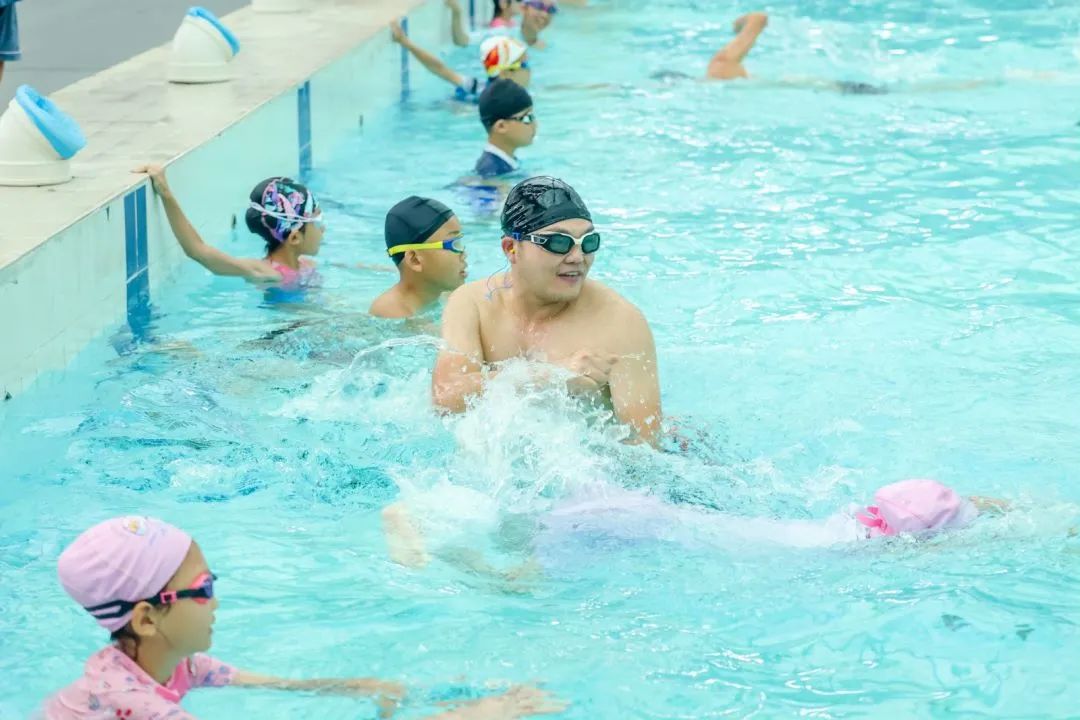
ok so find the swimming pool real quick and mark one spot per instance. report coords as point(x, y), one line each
point(844, 291)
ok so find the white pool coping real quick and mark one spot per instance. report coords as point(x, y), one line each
point(62, 248)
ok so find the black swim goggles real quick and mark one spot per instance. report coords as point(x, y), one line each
point(201, 591)
point(562, 243)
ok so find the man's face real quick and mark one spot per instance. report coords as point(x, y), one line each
point(549, 276)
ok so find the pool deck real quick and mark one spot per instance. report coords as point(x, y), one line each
point(131, 115)
point(56, 50)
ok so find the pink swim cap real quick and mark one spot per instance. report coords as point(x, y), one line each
point(914, 506)
point(122, 559)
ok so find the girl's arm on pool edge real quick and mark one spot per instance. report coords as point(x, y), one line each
point(192, 244)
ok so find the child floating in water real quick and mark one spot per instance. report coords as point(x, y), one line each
point(916, 507)
point(148, 584)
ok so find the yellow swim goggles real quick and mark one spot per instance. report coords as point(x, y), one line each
point(454, 244)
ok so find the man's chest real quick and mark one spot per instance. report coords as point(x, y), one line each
point(503, 338)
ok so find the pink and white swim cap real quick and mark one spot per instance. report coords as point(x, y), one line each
point(915, 506)
point(122, 559)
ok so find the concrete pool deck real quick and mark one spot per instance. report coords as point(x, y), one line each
point(63, 248)
point(57, 51)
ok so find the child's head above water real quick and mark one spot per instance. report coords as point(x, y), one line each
point(506, 112)
point(146, 582)
point(424, 239)
point(282, 211)
point(916, 506)
point(505, 58)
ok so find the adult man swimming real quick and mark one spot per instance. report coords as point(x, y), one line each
point(546, 309)
point(727, 63)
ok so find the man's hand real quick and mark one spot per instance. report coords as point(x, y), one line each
point(591, 371)
point(755, 17)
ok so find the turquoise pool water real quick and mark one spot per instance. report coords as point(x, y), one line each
point(845, 291)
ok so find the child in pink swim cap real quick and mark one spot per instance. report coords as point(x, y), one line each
point(149, 584)
point(917, 506)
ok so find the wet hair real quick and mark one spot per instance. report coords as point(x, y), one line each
point(273, 230)
point(501, 100)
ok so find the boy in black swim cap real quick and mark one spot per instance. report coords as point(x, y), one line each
point(506, 112)
point(424, 239)
point(545, 308)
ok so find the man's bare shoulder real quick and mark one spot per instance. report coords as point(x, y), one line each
point(602, 298)
point(472, 298)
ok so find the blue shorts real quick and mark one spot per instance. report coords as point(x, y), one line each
point(9, 34)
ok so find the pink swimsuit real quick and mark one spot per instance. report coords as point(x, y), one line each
point(295, 279)
point(113, 686)
point(502, 23)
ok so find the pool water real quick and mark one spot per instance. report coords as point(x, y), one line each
point(845, 291)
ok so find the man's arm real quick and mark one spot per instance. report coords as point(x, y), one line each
point(429, 61)
point(457, 23)
point(727, 64)
point(634, 381)
point(458, 373)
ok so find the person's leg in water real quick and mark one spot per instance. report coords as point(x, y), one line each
point(727, 63)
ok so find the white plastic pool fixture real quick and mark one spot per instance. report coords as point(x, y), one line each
point(37, 141)
point(280, 6)
point(202, 49)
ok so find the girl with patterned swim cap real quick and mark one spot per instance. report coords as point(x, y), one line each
point(149, 584)
point(281, 211)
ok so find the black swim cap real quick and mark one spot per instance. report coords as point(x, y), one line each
point(539, 202)
point(502, 99)
point(414, 220)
